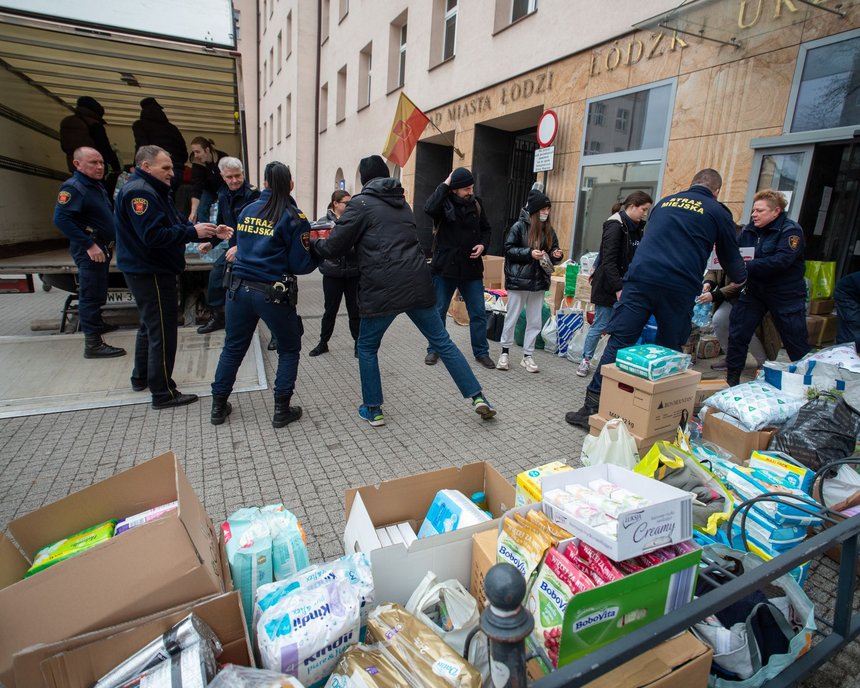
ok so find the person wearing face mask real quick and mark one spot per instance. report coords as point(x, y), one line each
point(531, 248)
point(622, 233)
point(461, 235)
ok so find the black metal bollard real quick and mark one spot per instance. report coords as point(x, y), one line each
point(507, 624)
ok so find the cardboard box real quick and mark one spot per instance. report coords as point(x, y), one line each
point(494, 272)
point(81, 661)
point(556, 293)
point(483, 557)
point(583, 288)
point(397, 570)
point(528, 490)
point(706, 388)
point(739, 442)
point(821, 306)
point(165, 562)
point(828, 330)
point(643, 444)
point(647, 407)
point(814, 328)
point(680, 662)
point(667, 520)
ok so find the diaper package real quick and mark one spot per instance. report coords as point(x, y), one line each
point(305, 632)
point(232, 676)
point(71, 546)
point(450, 510)
point(652, 362)
point(367, 666)
point(144, 517)
point(289, 543)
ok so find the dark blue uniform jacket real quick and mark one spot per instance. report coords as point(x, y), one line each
point(682, 230)
point(84, 203)
point(229, 205)
point(269, 250)
point(151, 232)
point(778, 266)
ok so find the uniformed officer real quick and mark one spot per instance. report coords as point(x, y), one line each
point(235, 194)
point(85, 215)
point(151, 238)
point(666, 274)
point(272, 240)
point(775, 283)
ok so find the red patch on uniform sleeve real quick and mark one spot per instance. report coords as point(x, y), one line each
point(794, 242)
point(64, 197)
point(306, 240)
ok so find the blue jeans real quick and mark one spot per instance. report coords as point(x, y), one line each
point(672, 309)
point(245, 308)
point(428, 322)
point(602, 315)
point(472, 292)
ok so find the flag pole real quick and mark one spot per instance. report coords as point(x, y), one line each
point(456, 150)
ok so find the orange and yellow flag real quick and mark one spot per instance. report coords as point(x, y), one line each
point(408, 124)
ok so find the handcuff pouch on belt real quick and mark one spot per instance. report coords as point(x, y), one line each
point(285, 290)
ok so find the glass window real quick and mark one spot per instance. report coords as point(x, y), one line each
point(604, 185)
point(520, 8)
point(450, 29)
point(827, 96)
point(644, 121)
point(401, 69)
point(781, 171)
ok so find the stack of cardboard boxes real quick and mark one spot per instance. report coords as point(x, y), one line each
point(821, 322)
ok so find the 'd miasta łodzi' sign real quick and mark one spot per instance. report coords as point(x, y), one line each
point(511, 92)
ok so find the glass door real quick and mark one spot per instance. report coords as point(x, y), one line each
point(780, 169)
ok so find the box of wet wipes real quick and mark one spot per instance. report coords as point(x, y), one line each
point(621, 513)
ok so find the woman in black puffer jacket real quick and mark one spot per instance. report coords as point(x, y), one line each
point(530, 246)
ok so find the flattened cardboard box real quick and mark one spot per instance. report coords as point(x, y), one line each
point(81, 666)
point(168, 561)
point(397, 569)
point(483, 559)
point(647, 407)
point(739, 442)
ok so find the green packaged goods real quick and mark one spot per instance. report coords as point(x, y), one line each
point(70, 546)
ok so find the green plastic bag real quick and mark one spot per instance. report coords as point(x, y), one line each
point(570, 274)
point(821, 276)
point(520, 329)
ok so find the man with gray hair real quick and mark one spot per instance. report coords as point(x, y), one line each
point(150, 247)
point(235, 193)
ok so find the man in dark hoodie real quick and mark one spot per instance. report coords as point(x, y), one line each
point(666, 274)
point(393, 278)
point(154, 129)
point(461, 236)
point(86, 129)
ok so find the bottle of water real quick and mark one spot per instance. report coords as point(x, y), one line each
point(213, 212)
point(702, 314)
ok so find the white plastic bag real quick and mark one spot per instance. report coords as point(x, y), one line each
point(615, 445)
point(586, 263)
point(549, 332)
point(577, 343)
point(451, 612)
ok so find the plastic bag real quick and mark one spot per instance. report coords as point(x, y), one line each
point(577, 343)
point(736, 649)
point(550, 336)
point(520, 329)
point(233, 676)
point(571, 272)
point(821, 276)
point(587, 263)
point(569, 321)
point(614, 445)
point(822, 431)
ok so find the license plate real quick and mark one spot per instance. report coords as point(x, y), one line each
point(120, 297)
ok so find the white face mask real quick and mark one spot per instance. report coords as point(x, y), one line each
point(543, 216)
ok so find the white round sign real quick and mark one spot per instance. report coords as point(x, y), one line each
point(547, 128)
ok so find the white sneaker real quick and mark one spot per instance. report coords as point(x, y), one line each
point(529, 364)
point(502, 363)
point(584, 367)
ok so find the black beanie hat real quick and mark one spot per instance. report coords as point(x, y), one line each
point(537, 201)
point(91, 104)
point(461, 178)
point(372, 167)
point(150, 101)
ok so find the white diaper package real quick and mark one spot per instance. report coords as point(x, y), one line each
point(450, 510)
point(304, 633)
point(652, 362)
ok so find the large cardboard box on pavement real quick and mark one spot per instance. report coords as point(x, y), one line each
point(730, 437)
point(397, 569)
point(80, 662)
point(647, 407)
point(168, 561)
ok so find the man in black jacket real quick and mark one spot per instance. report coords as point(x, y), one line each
point(460, 237)
point(86, 129)
point(150, 250)
point(154, 129)
point(393, 278)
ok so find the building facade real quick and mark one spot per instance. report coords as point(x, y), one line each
point(645, 94)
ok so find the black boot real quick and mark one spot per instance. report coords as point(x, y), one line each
point(216, 322)
point(94, 347)
point(589, 407)
point(284, 413)
point(221, 408)
point(321, 348)
point(733, 377)
point(273, 344)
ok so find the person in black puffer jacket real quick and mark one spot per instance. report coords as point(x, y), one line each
point(531, 249)
point(461, 236)
point(154, 129)
point(622, 233)
point(340, 279)
point(394, 278)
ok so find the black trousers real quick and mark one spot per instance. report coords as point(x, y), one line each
point(157, 299)
point(335, 288)
point(789, 316)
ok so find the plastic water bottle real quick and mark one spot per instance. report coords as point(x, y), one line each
point(702, 314)
point(213, 213)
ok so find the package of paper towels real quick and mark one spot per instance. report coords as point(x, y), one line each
point(450, 510)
